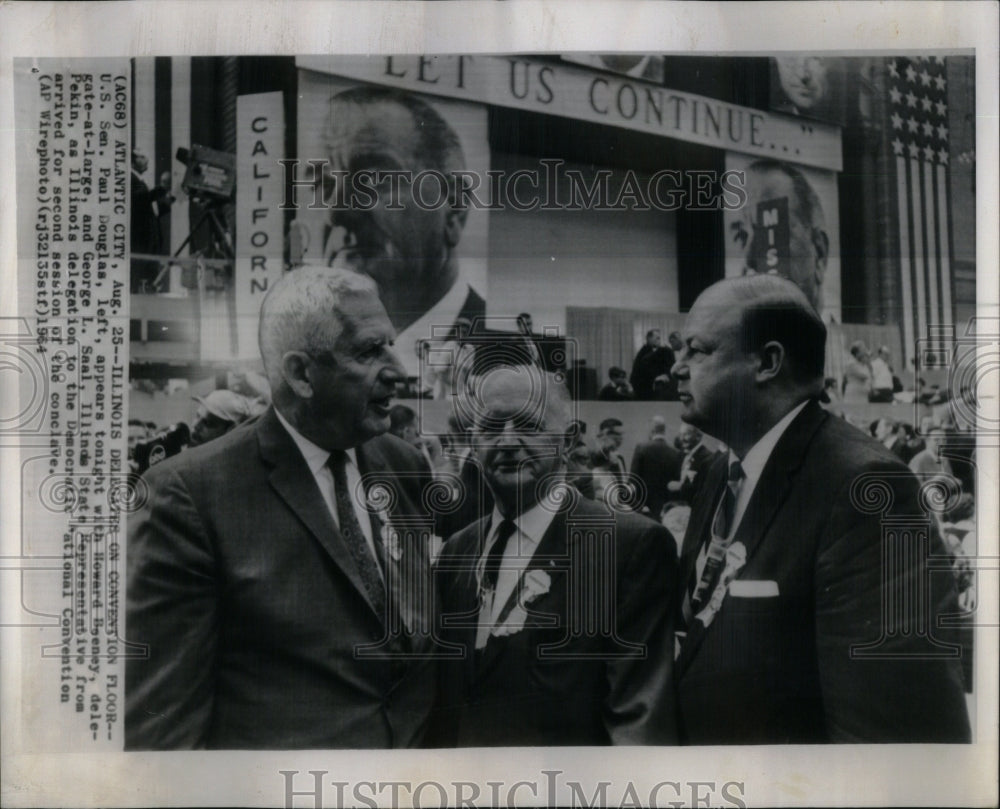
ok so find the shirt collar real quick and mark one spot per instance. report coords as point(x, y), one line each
point(534, 522)
point(753, 462)
point(313, 454)
point(442, 314)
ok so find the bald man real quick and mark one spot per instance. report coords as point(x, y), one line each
point(783, 572)
point(516, 585)
point(265, 568)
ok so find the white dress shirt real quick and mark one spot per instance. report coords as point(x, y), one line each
point(521, 547)
point(316, 459)
point(753, 464)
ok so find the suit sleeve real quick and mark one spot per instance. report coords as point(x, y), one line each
point(640, 707)
point(909, 690)
point(172, 610)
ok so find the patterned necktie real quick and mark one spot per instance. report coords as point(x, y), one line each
point(717, 546)
point(350, 529)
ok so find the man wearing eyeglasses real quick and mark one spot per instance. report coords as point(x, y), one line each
point(267, 568)
point(560, 604)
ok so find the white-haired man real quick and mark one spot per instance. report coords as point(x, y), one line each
point(264, 582)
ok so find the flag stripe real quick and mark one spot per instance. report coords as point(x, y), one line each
point(929, 199)
point(945, 243)
point(917, 130)
point(903, 203)
point(917, 251)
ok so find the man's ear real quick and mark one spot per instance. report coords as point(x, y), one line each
point(295, 370)
point(821, 244)
point(454, 223)
point(772, 358)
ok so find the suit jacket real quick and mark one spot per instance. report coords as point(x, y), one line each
point(596, 690)
point(656, 463)
point(781, 669)
point(474, 499)
point(648, 364)
point(252, 606)
point(701, 460)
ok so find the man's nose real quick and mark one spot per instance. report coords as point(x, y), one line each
point(393, 371)
point(679, 370)
point(509, 437)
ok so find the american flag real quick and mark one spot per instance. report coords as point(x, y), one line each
point(918, 117)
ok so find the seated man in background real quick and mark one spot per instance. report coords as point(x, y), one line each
point(618, 389)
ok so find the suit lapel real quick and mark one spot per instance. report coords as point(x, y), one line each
point(406, 556)
point(770, 493)
point(701, 516)
point(294, 483)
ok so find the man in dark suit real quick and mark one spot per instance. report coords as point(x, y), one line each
point(618, 389)
point(266, 570)
point(515, 585)
point(655, 463)
point(784, 567)
point(651, 368)
point(697, 459)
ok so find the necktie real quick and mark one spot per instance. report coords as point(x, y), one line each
point(717, 545)
point(350, 529)
point(488, 584)
point(491, 570)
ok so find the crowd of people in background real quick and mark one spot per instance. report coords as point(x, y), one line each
point(214, 415)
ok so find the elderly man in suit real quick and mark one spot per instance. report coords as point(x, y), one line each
point(266, 569)
point(783, 572)
point(516, 585)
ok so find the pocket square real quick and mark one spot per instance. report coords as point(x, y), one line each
point(749, 588)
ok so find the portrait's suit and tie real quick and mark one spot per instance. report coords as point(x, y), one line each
point(772, 647)
point(255, 598)
point(515, 588)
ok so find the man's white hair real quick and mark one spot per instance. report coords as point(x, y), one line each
point(302, 313)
